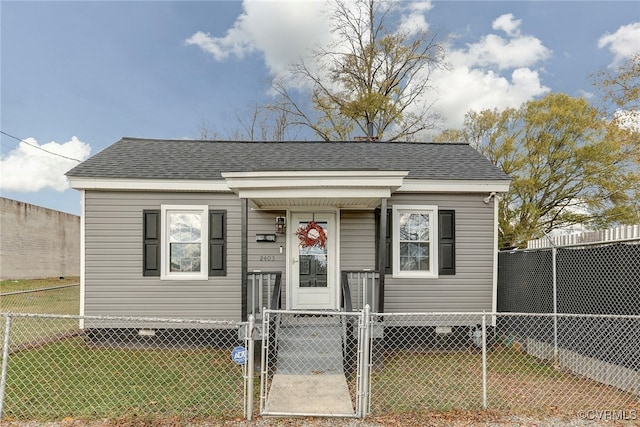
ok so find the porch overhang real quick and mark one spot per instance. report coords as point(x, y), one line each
point(341, 189)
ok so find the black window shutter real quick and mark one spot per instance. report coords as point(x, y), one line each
point(217, 243)
point(151, 243)
point(388, 266)
point(447, 242)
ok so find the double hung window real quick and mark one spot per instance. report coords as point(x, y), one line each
point(184, 242)
point(415, 232)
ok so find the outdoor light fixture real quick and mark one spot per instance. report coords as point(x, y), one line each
point(488, 198)
point(281, 225)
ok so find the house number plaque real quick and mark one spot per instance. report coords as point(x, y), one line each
point(264, 258)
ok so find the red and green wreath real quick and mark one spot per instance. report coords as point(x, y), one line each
point(312, 235)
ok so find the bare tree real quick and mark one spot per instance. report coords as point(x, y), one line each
point(269, 122)
point(371, 79)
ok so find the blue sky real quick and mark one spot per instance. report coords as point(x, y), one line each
point(78, 76)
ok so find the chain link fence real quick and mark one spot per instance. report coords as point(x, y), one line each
point(64, 299)
point(324, 364)
point(522, 364)
point(594, 278)
point(114, 367)
point(421, 361)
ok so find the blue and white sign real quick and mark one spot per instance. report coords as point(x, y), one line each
point(239, 355)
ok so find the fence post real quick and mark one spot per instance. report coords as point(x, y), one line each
point(364, 289)
point(250, 366)
point(484, 360)
point(5, 362)
point(364, 362)
point(264, 355)
point(554, 258)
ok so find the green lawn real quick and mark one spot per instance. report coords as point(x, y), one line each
point(72, 379)
point(27, 284)
point(516, 383)
point(53, 301)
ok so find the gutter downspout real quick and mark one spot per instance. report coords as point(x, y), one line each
point(244, 263)
point(382, 256)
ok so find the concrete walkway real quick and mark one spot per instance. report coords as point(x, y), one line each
point(309, 376)
point(309, 395)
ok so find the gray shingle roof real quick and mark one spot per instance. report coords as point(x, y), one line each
point(206, 160)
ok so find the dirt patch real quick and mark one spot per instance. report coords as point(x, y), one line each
point(428, 419)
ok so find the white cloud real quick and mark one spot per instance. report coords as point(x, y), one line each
point(413, 24)
point(493, 50)
point(463, 89)
point(281, 31)
point(585, 94)
point(508, 24)
point(496, 71)
point(492, 73)
point(624, 43)
point(29, 169)
point(413, 19)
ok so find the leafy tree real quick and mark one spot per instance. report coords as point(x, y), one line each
point(372, 80)
point(619, 94)
point(568, 165)
point(621, 86)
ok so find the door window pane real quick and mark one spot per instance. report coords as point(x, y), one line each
point(313, 260)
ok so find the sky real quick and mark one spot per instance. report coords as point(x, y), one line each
point(76, 76)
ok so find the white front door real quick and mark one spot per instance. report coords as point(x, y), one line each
point(313, 278)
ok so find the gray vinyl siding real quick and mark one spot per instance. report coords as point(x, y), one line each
point(266, 256)
point(471, 288)
point(114, 284)
point(357, 240)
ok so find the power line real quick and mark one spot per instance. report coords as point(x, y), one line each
point(39, 148)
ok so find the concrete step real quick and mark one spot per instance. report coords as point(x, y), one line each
point(304, 346)
point(310, 365)
point(310, 346)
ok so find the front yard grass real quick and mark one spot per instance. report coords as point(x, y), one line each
point(30, 284)
point(517, 383)
point(73, 379)
point(42, 300)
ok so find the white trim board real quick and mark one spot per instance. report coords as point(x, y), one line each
point(252, 184)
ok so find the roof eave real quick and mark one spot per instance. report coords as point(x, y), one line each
point(455, 186)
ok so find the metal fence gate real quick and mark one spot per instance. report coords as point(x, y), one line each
point(313, 363)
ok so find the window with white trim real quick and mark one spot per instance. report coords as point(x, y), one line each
point(184, 242)
point(415, 236)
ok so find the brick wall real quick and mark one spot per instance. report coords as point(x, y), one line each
point(37, 242)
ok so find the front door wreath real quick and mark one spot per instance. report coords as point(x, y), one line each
point(312, 235)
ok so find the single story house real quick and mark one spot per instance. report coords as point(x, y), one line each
point(219, 229)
